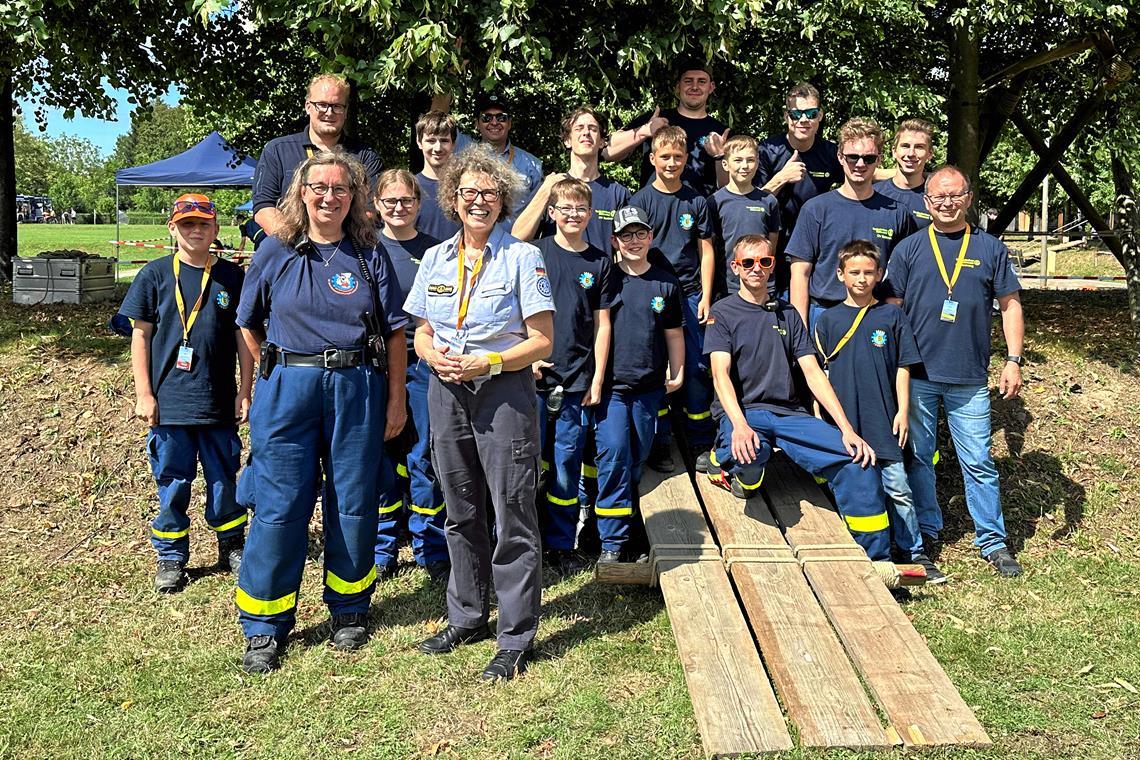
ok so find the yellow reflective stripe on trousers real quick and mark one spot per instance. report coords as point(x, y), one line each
point(544, 465)
point(698, 415)
point(342, 586)
point(752, 487)
point(429, 511)
point(562, 502)
point(614, 512)
point(230, 525)
point(589, 471)
point(391, 507)
point(662, 411)
point(170, 533)
point(868, 523)
point(247, 603)
point(936, 457)
point(401, 470)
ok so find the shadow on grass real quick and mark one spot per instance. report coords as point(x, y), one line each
point(1093, 324)
point(74, 330)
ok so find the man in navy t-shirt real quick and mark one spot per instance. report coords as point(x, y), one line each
point(946, 279)
point(830, 221)
point(752, 341)
point(914, 145)
point(435, 137)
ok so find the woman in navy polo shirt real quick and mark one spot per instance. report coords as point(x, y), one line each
point(331, 392)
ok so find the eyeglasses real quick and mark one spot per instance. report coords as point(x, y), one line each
point(765, 262)
point(803, 113)
point(502, 117)
point(625, 237)
point(469, 194)
point(866, 158)
point(406, 201)
point(952, 199)
point(323, 107)
point(572, 210)
point(318, 188)
point(185, 207)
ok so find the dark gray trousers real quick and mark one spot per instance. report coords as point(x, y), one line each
point(484, 437)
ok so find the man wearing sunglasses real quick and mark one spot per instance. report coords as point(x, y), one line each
point(326, 104)
point(854, 211)
point(797, 166)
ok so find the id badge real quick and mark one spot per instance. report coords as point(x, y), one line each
point(185, 358)
point(949, 310)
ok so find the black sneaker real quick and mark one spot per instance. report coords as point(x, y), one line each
point(609, 557)
point(438, 571)
point(350, 631)
point(931, 546)
point(722, 479)
point(901, 595)
point(170, 576)
point(703, 460)
point(660, 457)
point(229, 554)
point(933, 574)
point(565, 562)
point(453, 636)
point(260, 655)
point(506, 664)
point(1003, 561)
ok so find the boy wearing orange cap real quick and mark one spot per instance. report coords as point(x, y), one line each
point(184, 343)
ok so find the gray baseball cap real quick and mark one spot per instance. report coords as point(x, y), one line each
point(628, 215)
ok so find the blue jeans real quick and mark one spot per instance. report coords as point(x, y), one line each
point(565, 470)
point(696, 392)
point(905, 532)
point(625, 424)
point(968, 414)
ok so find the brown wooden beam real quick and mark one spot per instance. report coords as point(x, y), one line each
point(1031, 62)
point(999, 104)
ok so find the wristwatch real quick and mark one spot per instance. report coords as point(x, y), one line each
point(1014, 358)
point(496, 361)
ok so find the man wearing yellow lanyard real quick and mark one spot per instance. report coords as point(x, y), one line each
point(946, 280)
point(184, 342)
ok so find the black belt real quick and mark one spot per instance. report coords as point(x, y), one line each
point(826, 303)
point(330, 358)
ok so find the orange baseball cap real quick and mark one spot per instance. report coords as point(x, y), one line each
point(193, 205)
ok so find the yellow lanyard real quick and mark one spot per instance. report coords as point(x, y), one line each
point(950, 281)
point(842, 341)
point(309, 151)
point(465, 292)
point(188, 323)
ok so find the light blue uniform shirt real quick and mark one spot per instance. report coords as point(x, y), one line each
point(512, 286)
point(521, 161)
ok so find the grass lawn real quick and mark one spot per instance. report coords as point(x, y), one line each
point(92, 664)
point(1080, 261)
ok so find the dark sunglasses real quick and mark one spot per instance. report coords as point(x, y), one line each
point(765, 262)
point(183, 207)
point(503, 117)
point(803, 113)
point(855, 158)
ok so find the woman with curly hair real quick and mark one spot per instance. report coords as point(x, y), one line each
point(331, 391)
point(484, 314)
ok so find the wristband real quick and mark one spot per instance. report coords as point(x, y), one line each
point(496, 363)
point(1014, 358)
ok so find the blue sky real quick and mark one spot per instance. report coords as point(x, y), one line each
point(102, 133)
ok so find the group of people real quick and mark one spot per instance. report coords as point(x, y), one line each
point(421, 363)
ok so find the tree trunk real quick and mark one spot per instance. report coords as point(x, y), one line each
point(963, 104)
point(1128, 228)
point(7, 177)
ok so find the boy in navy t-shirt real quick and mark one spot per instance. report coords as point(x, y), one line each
point(678, 215)
point(868, 348)
point(435, 136)
point(582, 280)
point(753, 341)
point(646, 362)
point(184, 343)
point(739, 208)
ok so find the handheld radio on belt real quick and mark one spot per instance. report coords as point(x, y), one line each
point(375, 322)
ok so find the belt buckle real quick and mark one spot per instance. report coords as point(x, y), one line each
point(330, 357)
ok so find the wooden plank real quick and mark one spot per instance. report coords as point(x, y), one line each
point(816, 682)
point(624, 573)
point(733, 701)
point(916, 695)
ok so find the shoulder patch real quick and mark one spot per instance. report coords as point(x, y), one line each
point(543, 286)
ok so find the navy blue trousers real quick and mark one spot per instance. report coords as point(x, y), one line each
point(624, 432)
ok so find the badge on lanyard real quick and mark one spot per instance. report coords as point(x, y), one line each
point(949, 306)
point(185, 358)
point(949, 310)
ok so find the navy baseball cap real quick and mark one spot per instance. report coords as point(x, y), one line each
point(491, 100)
point(629, 215)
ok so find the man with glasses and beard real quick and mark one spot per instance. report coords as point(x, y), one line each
point(854, 211)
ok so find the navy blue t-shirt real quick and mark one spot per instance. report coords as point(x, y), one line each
point(679, 220)
point(582, 283)
point(282, 155)
point(863, 372)
point(952, 352)
point(205, 394)
point(645, 306)
point(405, 256)
point(831, 221)
point(763, 344)
point(315, 306)
point(911, 198)
point(431, 218)
point(607, 197)
point(733, 216)
point(823, 173)
point(700, 168)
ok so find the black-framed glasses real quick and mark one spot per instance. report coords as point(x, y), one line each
point(406, 201)
point(866, 158)
point(502, 117)
point(951, 198)
point(319, 188)
point(469, 194)
point(629, 235)
point(765, 262)
point(804, 113)
point(323, 107)
point(572, 210)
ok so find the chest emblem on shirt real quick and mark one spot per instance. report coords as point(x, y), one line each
point(780, 330)
point(586, 280)
point(886, 233)
point(879, 338)
point(440, 289)
point(543, 286)
point(686, 221)
point(222, 300)
point(343, 283)
point(657, 303)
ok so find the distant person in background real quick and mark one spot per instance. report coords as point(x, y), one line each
point(250, 231)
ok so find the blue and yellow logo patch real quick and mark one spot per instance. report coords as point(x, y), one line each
point(879, 338)
point(686, 221)
point(222, 300)
point(586, 280)
point(657, 304)
point(343, 283)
